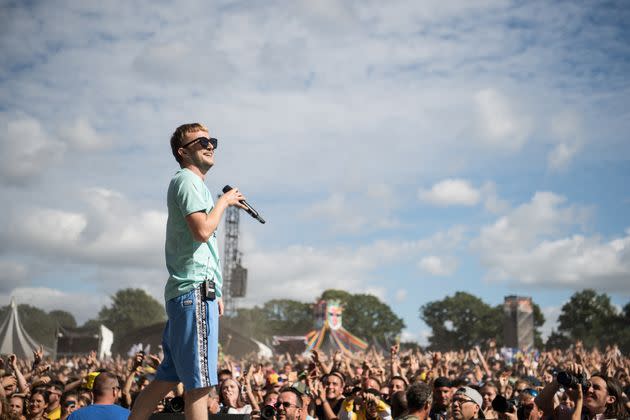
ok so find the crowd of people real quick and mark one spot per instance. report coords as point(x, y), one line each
point(561, 384)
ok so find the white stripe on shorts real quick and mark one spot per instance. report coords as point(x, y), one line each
point(201, 314)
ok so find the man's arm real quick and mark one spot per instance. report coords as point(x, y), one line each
point(202, 225)
point(22, 384)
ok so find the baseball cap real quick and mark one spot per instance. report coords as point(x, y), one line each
point(472, 394)
point(301, 388)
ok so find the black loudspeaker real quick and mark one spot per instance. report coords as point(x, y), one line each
point(180, 416)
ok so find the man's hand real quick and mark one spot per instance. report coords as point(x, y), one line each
point(220, 305)
point(320, 391)
point(42, 369)
point(154, 360)
point(137, 361)
point(13, 362)
point(393, 351)
point(234, 198)
point(43, 380)
point(38, 355)
point(337, 358)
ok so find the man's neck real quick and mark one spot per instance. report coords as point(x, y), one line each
point(195, 170)
point(421, 414)
point(104, 401)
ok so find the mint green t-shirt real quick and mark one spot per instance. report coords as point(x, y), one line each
point(189, 262)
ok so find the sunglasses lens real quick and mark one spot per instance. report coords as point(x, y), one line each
point(204, 142)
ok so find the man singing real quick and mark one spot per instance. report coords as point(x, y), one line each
point(193, 290)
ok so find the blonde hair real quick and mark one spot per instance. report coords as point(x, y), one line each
point(177, 139)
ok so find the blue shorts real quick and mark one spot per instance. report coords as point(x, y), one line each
point(190, 341)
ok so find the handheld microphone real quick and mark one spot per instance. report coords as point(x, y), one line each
point(249, 209)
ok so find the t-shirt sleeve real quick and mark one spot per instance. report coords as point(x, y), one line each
point(189, 196)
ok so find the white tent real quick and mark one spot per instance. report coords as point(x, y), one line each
point(13, 337)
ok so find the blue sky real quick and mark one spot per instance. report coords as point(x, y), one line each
point(405, 149)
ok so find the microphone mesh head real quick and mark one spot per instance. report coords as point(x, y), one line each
point(226, 189)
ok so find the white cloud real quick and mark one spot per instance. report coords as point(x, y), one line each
point(567, 132)
point(528, 246)
point(540, 218)
point(111, 230)
point(451, 192)
point(61, 227)
point(303, 273)
point(499, 124)
point(12, 274)
point(26, 149)
point(551, 314)
point(83, 306)
point(361, 211)
point(438, 266)
point(491, 200)
point(82, 135)
point(420, 337)
point(401, 295)
point(455, 191)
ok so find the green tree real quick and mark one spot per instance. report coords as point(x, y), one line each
point(91, 324)
point(251, 322)
point(130, 309)
point(624, 329)
point(275, 317)
point(364, 315)
point(539, 321)
point(63, 318)
point(589, 316)
point(461, 321)
point(367, 317)
point(557, 340)
point(288, 317)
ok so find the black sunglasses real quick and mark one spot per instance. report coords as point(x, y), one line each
point(284, 404)
point(204, 142)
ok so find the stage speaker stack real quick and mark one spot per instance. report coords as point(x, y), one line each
point(518, 327)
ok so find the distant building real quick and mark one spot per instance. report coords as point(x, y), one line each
point(518, 322)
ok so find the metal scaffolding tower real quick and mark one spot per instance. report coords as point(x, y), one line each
point(234, 275)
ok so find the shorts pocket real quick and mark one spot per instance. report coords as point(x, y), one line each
point(181, 305)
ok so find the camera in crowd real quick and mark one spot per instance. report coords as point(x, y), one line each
point(570, 381)
point(268, 412)
point(502, 405)
point(174, 405)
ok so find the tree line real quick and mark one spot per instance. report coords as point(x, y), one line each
point(459, 321)
point(463, 320)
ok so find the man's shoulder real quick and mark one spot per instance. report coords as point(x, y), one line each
point(185, 180)
point(111, 411)
point(183, 175)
